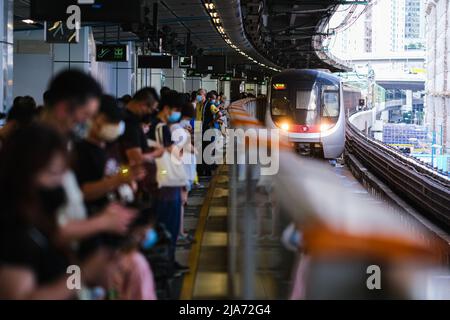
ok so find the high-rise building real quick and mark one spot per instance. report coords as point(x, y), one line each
point(386, 26)
point(414, 24)
point(437, 112)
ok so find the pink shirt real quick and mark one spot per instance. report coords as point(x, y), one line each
point(133, 278)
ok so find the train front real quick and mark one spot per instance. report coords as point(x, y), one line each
point(307, 105)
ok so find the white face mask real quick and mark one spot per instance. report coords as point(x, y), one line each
point(110, 132)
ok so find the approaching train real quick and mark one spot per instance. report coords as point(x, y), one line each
point(309, 106)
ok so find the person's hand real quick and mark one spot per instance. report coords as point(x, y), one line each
point(94, 269)
point(189, 128)
point(116, 218)
point(158, 151)
point(138, 173)
point(134, 173)
point(134, 186)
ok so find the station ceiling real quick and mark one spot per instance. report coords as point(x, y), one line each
point(277, 32)
point(286, 30)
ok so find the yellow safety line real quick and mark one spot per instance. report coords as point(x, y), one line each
point(187, 289)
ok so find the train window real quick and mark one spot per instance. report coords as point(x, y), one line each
point(330, 102)
point(280, 104)
point(307, 112)
point(306, 100)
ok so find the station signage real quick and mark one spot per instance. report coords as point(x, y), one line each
point(279, 86)
point(226, 77)
point(217, 76)
point(112, 53)
point(57, 32)
point(185, 62)
point(191, 73)
point(155, 62)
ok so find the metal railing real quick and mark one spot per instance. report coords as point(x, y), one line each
point(241, 218)
point(305, 192)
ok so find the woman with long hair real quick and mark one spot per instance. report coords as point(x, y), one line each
point(33, 161)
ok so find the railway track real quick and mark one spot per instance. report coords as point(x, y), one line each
point(428, 191)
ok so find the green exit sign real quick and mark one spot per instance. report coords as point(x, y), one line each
point(112, 53)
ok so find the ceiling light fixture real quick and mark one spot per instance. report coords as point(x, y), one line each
point(218, 25)
point(28, 21)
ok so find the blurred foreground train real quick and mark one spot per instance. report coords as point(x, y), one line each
point(310, 108)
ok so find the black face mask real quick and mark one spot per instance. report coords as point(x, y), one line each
point(52, 199)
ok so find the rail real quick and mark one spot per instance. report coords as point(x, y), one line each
point(422, 187)
point(331, 218)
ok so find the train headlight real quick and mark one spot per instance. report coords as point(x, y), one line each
point(285, 126)
point(325, 127)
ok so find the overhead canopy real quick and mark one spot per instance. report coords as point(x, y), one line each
point(291, 32)
point(275, 33)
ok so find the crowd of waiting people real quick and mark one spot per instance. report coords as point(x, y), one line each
point(85, 182)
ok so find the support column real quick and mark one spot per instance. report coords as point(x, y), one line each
point(157, 78)
point(73, 56)
point(116, 78)
point(210, 84)
point(175, 78)
point(125, 73)
point(227, 91)
point(193, 84)
point(7, 47)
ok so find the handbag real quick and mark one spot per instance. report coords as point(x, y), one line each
point(170, 171)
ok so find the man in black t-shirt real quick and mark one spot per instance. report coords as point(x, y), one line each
point(138, 112)
point(73, 99)
point(99, 175)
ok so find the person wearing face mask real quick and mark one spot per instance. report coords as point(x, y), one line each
point(181, 132)
point(72, 99)
point(140, 110)
point(210, 117)
point(200, 102)
point(102, 180)
point(210, 111)
point(33, 262)
point(99, 175)
point(131, 278)
point(168, 199)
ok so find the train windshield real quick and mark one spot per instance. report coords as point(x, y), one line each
point(306, 107)
point(297, 101)
point(280, 104)
point(330, 102)
point(309, 103)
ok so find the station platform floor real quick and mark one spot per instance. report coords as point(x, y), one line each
point(207, 258)
point(207, 219)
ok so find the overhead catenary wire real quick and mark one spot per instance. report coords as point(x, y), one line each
point(347, 25)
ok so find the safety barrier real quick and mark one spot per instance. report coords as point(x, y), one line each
point(300, 188)
point(241, 212)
